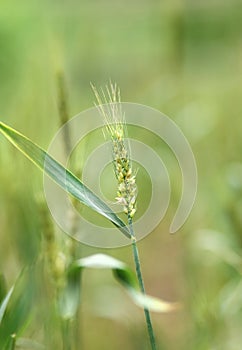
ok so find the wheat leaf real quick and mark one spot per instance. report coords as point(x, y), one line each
point(62, 176)
point(125, 276)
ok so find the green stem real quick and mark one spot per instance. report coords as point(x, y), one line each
point(63, 110)
point(12, 342)
point(66, 334)
point(141, 283)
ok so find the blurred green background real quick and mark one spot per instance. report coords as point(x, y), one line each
point(183, 58)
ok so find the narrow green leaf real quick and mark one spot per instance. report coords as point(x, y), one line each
point(69, 298)
point(127, 278)
point(12, 342)
point(3, 289)
point(4, 304)
point(63, 177)
point(16, 310)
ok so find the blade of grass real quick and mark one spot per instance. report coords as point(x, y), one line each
point(16, 307)
point(123, 274)
point(4, 303)
point(62, 176)
point(3, 289)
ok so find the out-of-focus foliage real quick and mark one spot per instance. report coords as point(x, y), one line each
point(182, 57)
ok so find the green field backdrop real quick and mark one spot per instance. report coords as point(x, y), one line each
point(183, 58)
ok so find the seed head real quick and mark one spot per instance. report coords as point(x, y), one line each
point(109, 106)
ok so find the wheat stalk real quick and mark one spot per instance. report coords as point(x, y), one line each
point(110, 108)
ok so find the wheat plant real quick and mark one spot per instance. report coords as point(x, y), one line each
point(65, 269)
point(127, 188)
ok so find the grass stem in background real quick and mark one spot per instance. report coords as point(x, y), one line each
point(64, 116)
point(63, 109)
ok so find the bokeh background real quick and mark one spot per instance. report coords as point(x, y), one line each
point(183, 58)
